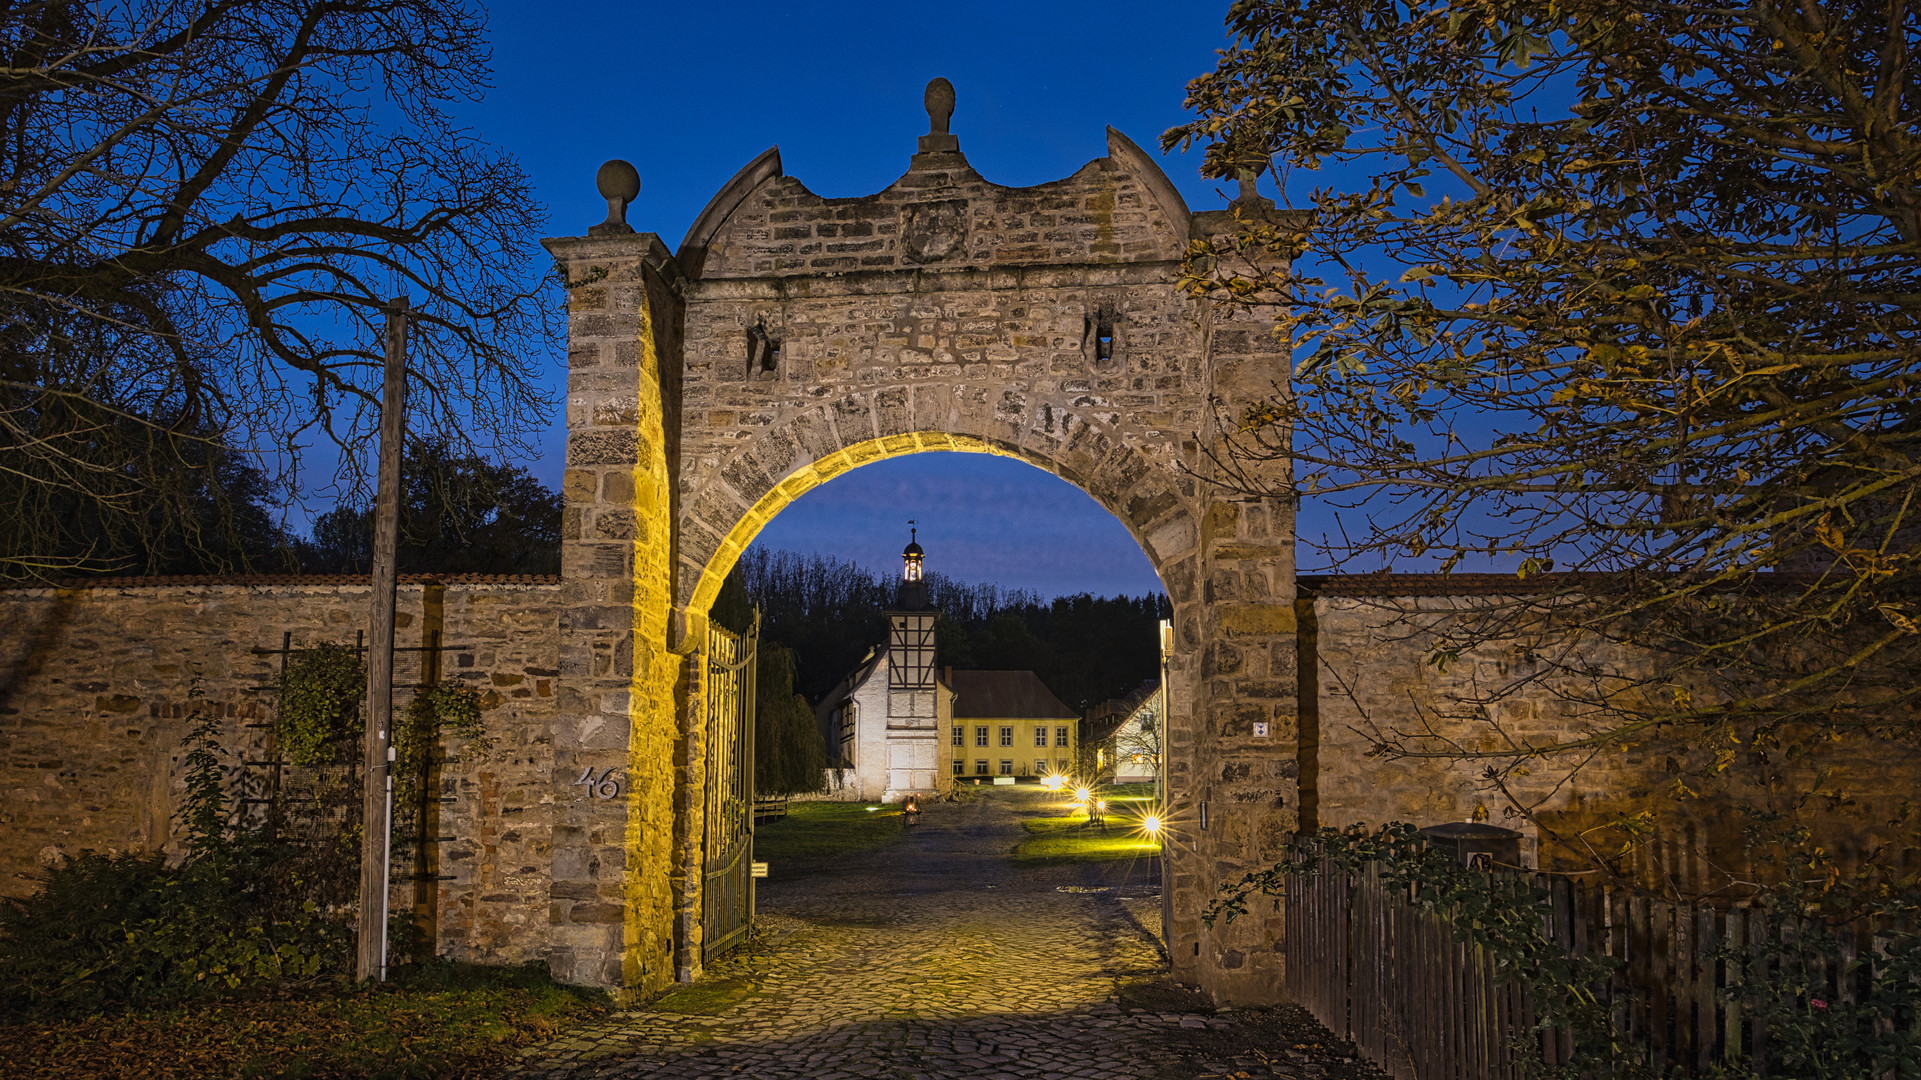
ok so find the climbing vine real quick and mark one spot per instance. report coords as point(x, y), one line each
point(445, 707)
point(318, 701)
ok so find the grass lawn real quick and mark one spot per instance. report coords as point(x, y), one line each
point(1065, 836)
point(824, 830)
point(447, 1020)
point(1130, 799)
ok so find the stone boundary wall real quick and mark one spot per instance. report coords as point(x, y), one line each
point(94, 698)
point(1366, 650)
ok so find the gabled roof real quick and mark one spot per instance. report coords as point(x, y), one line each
point(845, 688)
point(984, 695)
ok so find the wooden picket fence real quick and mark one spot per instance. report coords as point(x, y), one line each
point(1376, 968)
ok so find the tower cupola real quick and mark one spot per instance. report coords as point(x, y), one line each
point(910, 556)
point(912, 593)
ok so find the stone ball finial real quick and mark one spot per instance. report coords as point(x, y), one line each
point(940, 106)
point(619, 184)
point(618, 179)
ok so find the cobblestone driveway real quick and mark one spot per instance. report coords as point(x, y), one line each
point(938, 958)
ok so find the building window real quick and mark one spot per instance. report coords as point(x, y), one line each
point(1040, 767)
point(1007, 767)
point(960, 736)
point(1060, 736)
point(959, 767)
point(1040, 736)
point(1007, 736)
point(980, 767)
point(1061, 767)
point(980, 736)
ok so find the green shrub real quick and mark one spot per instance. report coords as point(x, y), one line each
point(445, 707)
point(1814, 1033)
point(110, 929)
point(1786, 985)
point(240, 910)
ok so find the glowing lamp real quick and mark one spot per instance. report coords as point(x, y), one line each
point(1151, 825)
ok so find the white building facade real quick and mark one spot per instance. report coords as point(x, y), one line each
point(884, 723)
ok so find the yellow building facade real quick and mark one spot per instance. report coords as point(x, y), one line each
point(1008, 723)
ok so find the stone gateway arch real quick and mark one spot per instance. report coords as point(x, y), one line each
point(794, 337)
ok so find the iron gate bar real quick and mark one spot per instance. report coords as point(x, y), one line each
point(727, 885)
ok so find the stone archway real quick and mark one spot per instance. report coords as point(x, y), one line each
point(794, 337)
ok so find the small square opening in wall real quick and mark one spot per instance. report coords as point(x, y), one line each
point(1097, 332)
point(1260, 729)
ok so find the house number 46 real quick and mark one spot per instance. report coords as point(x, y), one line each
point(603, 786)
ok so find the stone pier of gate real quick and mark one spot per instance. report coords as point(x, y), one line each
point(794, 337)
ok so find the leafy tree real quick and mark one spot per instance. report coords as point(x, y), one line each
point(1619, 287)
point(789, 754)
point(204, 209)
point(160, 501)
point(1086, 649)
point(459, 513)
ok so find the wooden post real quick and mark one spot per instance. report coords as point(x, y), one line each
point(377, 777)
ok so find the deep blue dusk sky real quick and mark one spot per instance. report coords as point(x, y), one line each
point(691, 92)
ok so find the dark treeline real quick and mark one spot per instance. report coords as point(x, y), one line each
point(788, 752)
point(205, 510)
point(459, 513)
point(830, 613)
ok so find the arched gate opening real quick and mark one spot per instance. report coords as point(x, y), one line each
point(793, 337)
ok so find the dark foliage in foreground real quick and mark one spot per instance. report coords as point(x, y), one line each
point(437, 1019)
point(242, 910)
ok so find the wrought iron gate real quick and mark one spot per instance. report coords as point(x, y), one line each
point(727, 888)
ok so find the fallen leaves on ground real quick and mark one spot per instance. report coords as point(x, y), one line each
point(360, 1034)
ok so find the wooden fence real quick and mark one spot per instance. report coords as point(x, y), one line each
point(1375, 967)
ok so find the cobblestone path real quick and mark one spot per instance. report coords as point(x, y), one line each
point(937, 958)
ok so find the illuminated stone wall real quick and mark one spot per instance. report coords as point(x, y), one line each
point(621, 867)
point(793, 338)
point(950, 313)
